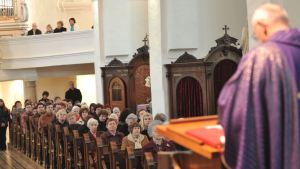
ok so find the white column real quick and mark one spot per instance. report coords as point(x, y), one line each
point(251, 6)
point(159, 89)
point(99, 47)
point(30, 90)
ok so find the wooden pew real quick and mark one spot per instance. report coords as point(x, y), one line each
point(67, 147)
point(134, 158)
point(38, 141)
point(78, 155)
point(45, 145)
point(149, 162)
point(58, 147)
point(117, 157)
point(32, 139)
point(50, 146)
point(89, 148)
point(102, 152)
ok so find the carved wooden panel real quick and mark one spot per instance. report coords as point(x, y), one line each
point(142, 93)
point(117, 93)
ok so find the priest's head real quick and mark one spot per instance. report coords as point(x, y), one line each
point(268, 19)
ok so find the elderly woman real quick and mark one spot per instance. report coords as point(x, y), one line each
point(130, 119)
point(92, 124)
point(116, 111)
point(135, 139)
point(146, 119)
point(158, 143)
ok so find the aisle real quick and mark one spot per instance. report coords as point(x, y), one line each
point(12, 159)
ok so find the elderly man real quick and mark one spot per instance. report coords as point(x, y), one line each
point(73, 93)
point(34, 30)
point(258, 105)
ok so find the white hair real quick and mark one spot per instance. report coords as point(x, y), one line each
point(114, 116)
point(269, 13)
point(131, 116)
point(75, 108)
point(60, 112)
point(116, 110)
point(91, 122)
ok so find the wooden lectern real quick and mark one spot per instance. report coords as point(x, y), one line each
point(201, 156)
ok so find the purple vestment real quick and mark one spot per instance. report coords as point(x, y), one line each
point(259, 106)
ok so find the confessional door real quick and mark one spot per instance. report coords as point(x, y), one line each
point(222, 73)
point(142, 92)
point(117, 93)
point(189, 98)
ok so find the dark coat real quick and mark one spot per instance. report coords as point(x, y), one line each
point(37, 32)
point(62, 29)
point(123, 128)
point(102, 126)
point(107, 137)
point(154, 149)
point(74, 95)
point(4, 115)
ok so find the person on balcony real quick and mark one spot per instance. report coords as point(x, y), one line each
point(34, 30)
point(49, 29)
point(73, 26)
point(60, 27)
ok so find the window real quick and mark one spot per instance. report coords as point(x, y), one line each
point(6, 8)
point(116, 92)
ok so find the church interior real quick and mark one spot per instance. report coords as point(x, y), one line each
point(142, 72)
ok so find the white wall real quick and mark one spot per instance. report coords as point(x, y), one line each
point(11, 91)
point(45, 12)
point(194, 25)
point(125, 26)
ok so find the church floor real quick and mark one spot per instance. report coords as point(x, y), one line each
point(12, 159)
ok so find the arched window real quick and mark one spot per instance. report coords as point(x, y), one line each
point(6, 8)
point(116, 92)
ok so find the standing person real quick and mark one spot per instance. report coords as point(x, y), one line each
point(259, 104)
point(73, 26)
point(34, 30)
point(49, 29)
point(60, 27)
point(4, 118)
point(73, 93)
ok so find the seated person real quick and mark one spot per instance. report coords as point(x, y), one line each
point(130, 119)
point(117, 111)
point(34, 30)
point(45, 99)
point(158, 143)
point(84, 117)
point(135, 139)
point(146, 119)
point(60, 27)
point(47, 118)
point(111, 134)
point(102, 120)
point(73, 125)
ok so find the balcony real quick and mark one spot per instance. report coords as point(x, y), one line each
point(66, 48)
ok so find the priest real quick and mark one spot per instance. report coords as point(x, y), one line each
point(258, 106)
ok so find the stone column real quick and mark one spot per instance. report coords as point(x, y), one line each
point(159, 88)
point(99, 47)
point(30, 90)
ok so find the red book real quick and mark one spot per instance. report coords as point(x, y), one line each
point(208, 135)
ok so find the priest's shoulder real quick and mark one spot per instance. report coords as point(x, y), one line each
point(264, 51)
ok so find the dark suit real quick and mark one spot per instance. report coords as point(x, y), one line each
point(36, 32)
point(74, 95)
point(62, 29)
point(4, 118)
